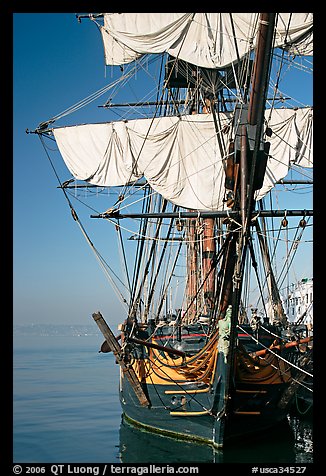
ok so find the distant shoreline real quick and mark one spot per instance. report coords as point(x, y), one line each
point(59, 330)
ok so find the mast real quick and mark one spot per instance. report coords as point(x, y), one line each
point(255, 119)
point(192, 266)
point(209, 250)
point(253, 127)
point(208, 253)
point(258, 97)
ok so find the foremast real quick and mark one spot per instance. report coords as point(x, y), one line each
point(252, 164)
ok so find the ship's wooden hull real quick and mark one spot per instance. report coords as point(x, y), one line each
point(183, 411)
point(262, 412)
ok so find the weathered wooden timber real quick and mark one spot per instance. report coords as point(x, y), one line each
point(117, 351)
point(219, 213)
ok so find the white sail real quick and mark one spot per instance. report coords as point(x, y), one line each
point(210, 40)
point(291, 144)
point(179, 156)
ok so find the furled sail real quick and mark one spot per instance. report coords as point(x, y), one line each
point(210, 40)
point(179, 156)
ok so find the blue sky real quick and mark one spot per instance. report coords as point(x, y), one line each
point(57, 61)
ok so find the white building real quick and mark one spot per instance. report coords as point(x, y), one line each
point(299, 305)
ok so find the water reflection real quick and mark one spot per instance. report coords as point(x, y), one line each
point(138, 446)
point(289, 442)
point(303, 438)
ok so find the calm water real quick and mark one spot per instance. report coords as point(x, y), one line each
point(66, 410)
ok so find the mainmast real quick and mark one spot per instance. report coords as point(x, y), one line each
point(206, 236)
point(208, 251)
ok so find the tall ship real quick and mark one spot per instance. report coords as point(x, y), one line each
point(191, 168)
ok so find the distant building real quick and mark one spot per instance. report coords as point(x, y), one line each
point(299, 305)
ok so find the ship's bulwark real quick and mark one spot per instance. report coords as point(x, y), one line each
point(200, 411)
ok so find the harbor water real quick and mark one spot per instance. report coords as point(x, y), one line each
point(66, 410)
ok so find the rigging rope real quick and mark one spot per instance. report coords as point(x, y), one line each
point(102, 262)
point(92, 97)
